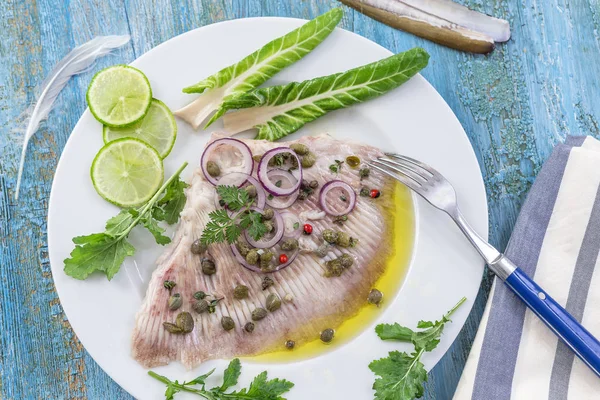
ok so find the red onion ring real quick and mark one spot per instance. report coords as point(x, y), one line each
point(289, 220)
point(228, 179)
point(333, 185)
point(263, 169)
point(282, 201)
point(255, 268)
point(279, 228)
point(248, 164)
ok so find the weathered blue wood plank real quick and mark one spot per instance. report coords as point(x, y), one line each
point(515, 104)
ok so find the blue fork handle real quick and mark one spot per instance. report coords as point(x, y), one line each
point(582, 342)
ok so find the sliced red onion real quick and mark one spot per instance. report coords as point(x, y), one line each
point(289, 220)
point(263, 243)
point(335, 185)
point(256, 268)
point(248, 162)
point(263, 170)
point(234, 177)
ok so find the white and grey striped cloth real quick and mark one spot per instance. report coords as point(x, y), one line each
point(556, 241)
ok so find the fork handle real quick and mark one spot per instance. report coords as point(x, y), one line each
point(564, 325)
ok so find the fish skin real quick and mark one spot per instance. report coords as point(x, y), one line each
point(318, 302)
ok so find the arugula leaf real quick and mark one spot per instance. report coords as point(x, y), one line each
point(171, 204)
point(277, 111)
point(200, 380)
point(231, 374)
point(256, 68)
point(394, 332)
point(106, 251)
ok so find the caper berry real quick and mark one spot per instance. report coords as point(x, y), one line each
point(343, 239)
point(251, 189)
point(327, 335)
point(268, 214)
point(185, 321)
point(198, 247)
point(322, 250)
point(208, 267)
point(213, 169)
point(309, 160)
point(299, 148)
point(227, 323)
point(199, 295)
point(269, 226)
point(375, 297)
point(330, 236)
point(290, 344)
point(267, 282)
point(313, 184)
point(200, 306)
point(259, 314)
point(252, 257)
point(240, 292)
point(243, 248)
point(249, 327)
point(175, 302)
point(172, 328)
point(265, 259)
point(346, 260)
point(273, 302)
point(289, 244)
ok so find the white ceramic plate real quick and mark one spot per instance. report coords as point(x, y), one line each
point(413, 120)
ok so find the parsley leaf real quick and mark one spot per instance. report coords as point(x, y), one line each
point(106, 251)
point(401, 375)
point(260, 389)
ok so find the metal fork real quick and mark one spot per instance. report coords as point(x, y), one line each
point(433, 187)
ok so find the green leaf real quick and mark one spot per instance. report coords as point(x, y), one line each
point(171, 391)
point(214, 231)
point(263, 389)
point(231, 374)
point(401, 376)
point(97, 252)
point(254, 225)
point(394, 332)
point(200, 380)
point(118, 224)
point(169, 207)
point(277, 111)
point(234, 197)
point(157, 231)
point(256, 68)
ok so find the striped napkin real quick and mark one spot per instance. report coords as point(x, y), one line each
point(556, 241)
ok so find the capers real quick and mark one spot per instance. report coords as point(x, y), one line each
point(199, 295)
point(185, 321)
point(290, 344)
point(259, 314)
point(267, 282)
point(172, 328)
point(299, 148)
point(198, 247)
point(243, 248)
point(330, 236)
point(265, 259)
point(208, 267)
point(169, 285)
point(303, 195)
point(251, 189)
point(364, 173)
point(327, 335)
point(269, 226)
point(313, 184)
point(227, 323)
point(175, 302)
point(289, 244)
point(268, 214)
point(346, 260)
point(257, 157)
point(334, 268)
point(200, 306)
point(365, 192)
point(375, 297)
point(288, 298)
point(252, 257)
point(249, 327)
point(309, 160)
point(343, 239)
point(213, 169)
point(322, 250)
point(273, 302)
point(240, 292)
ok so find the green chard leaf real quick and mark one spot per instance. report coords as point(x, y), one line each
point(277, 111)
point(401, 376)
point(256, 68)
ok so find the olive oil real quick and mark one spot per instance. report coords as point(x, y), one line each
point(389, 283)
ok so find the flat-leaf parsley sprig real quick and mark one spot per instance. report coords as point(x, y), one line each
point(223, 227)
point(260, 388)
point(106, 251)
point(402, 374)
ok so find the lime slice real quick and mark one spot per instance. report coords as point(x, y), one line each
point(127, 172)
point(119, 95)
point(157, 128)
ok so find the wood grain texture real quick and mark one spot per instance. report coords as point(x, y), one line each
point(515, 105)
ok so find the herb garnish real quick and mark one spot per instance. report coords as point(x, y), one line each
point(106, 251)
point(223, 227)
point(260, 388)
point(335, 168)
point(402, 375)
point(296, 225)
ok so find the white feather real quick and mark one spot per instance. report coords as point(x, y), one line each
point(77, 61)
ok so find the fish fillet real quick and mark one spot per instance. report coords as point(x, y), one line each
point(318, 302)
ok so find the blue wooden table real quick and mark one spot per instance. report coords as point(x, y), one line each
point(515, 104)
